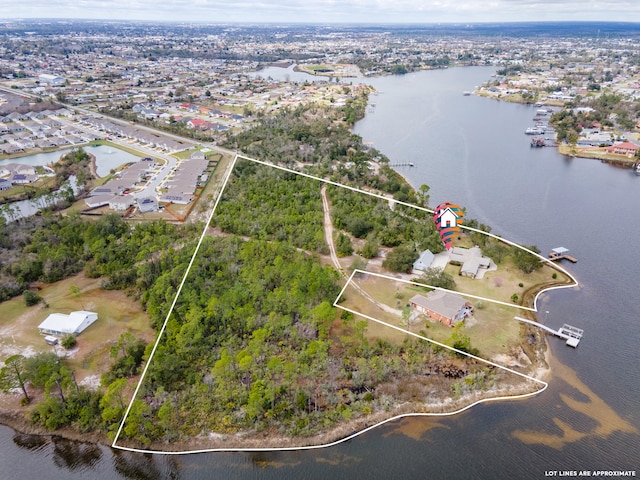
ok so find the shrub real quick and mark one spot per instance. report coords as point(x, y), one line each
point(69, 341)
point(31, 298)
point(343, 246)
point(401, 259)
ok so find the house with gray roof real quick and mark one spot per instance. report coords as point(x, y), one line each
point(147, 204)
point(445, 307)
point(424, 261)
point(473, 263)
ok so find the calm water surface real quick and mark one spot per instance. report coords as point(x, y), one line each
point(106, 158)
point(471, 151)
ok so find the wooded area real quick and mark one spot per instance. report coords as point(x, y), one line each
point(254, 343)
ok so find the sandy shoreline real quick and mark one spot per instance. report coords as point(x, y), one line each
point(268, 441)
point(523, 388)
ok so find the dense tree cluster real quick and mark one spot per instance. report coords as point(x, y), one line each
point(372, 218)
point(248, 339)
point(526, 261)
point(53, 247)
point(266, 203)
point(76, 162)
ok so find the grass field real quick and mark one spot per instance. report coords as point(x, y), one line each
point(492, 329)
point(117, 314)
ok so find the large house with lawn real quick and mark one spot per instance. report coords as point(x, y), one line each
point(627, 149)
point(73, 324)
point(444, 307)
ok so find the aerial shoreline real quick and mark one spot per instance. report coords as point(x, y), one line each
point(358, 423)
point(445, 406)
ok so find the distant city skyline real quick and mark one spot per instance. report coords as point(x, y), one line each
point(329, 11)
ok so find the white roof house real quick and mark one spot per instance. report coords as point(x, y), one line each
point(62, 324)
point(121, 202)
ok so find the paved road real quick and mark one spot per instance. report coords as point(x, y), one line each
point(149, 189)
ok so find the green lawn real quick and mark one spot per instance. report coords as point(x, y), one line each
point(117, 314)
point(492, 329)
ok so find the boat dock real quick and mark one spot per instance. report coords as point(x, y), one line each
point(561, 253)
point(571, 335)
point(406, 164)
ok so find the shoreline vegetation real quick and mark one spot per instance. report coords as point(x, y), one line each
point(340, 156)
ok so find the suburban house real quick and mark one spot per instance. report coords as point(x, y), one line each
point(147, 204)
point(72, 324)
point(473, 263)
point(121, 202)
point(627, 149)
point(424, 261)
point(22, 179)
point(445, 307)
point(98, 200)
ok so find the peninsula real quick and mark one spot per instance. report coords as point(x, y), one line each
point(303, 282)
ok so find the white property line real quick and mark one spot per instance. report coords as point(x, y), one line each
point(175, 300)
point(417, 207)
point(411, 282)
point(544, 259)
point(367, 429)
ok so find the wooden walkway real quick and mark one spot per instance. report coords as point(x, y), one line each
point(555, 256)
point(571, 335)
point(406, 164)
point(561, 253)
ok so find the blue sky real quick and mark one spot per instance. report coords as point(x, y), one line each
point(328, 11)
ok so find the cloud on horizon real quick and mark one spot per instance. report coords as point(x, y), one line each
point(329, 11)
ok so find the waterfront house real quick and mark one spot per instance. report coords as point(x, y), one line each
point(444, 307)
point(627, 149)
point(473, 263)
point(4, 184)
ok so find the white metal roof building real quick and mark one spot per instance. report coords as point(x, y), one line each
point(62, 324)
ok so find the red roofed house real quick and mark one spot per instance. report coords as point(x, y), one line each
point(627, 149)
point(198, 124)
